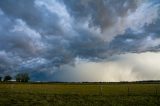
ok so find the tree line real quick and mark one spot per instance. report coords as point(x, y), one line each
point(20, 77)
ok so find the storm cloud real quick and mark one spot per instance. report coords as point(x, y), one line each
point(42, 36)
point(124, 67)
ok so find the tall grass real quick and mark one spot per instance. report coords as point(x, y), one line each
point(80, 94)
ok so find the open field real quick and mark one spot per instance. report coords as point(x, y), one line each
point(80, 94)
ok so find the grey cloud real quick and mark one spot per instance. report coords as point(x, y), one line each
point(17, 37)
point(36, 17)
point(44, 35)
point(9, 63)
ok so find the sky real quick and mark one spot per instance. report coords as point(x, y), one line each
point(80, 40)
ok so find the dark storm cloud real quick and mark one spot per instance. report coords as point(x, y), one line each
point(43, 35)
point(104, 13)
point(38, 18)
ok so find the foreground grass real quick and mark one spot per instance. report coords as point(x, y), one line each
point(80, 94)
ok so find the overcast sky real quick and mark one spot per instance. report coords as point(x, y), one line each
point(80, 40)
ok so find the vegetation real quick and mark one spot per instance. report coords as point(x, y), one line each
point(22, 77)
point(63, 94)
point(7, 78)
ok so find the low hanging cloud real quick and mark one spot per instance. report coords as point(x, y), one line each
point(42, 36)
point(124, 67)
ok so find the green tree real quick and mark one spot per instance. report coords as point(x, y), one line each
point(7, 78)
point(22, 77)
point(0, 79)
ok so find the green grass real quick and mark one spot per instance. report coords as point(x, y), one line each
point(80, 94)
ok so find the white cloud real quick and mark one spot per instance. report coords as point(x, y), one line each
point(149, 42)
point(145, 14)
point(1, 12)
point(22, 27)
point(58, 8)
point(27, 36)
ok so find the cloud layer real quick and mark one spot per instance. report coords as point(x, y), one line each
point(41, 36)
point(124, 67)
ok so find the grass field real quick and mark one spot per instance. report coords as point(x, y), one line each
point(61, 94)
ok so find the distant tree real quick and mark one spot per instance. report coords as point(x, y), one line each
point(7, 78)
point(18, 78)
point(0, 79)
point(22, 77)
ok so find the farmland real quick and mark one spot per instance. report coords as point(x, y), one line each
point(77, 94)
